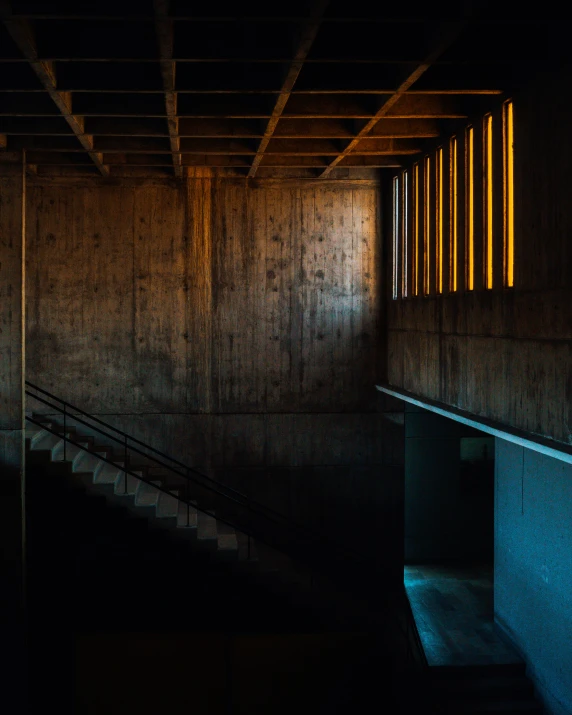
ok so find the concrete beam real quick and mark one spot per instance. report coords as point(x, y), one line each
point(536, 443)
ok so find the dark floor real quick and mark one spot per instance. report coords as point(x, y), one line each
point(453, 610)
point(125, 618)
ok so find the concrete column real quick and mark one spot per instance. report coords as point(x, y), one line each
point(200, 288)
point(199, 311)
point(12, 612)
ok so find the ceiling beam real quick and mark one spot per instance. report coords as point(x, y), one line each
point(145, 107)
point(288, 19)
point(308, 32)
point(199, 151)
point(296, 129)
point(164, 25)
point(348, 90)
point(417, 113)
point(23, 36)
point(42, 158)
point(348, 60)
point(449, 32)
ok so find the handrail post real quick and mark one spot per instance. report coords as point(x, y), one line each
point(249, 526)
point(65, 431)
point(188, 498)
point(305, 534)
point(125, 463)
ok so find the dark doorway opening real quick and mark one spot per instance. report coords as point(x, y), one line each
point(449, 540)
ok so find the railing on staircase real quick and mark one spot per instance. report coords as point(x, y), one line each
point(255, 520)
point(248, 516)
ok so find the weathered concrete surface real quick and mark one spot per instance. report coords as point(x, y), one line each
point(11, 442)
point(510, 359)
point(533, 566)
point(506, 354)
point(214, 297)
point(236, 326)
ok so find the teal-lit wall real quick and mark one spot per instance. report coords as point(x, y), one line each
point(533, 566)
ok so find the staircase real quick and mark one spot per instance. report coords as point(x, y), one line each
point(122, 550)
point(138, 604)
point(122, 542)
point(145, 490)
point(183, 514)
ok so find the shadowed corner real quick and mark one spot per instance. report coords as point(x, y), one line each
point(12, 598)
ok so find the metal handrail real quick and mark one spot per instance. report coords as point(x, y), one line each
point(124, 434)
point(214, 487)
point(298, 544)
point(129, 472)
point(252, 504)
point(134, 449)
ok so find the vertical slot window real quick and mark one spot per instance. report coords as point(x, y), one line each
point(439, 220)
point(395, 237)
point(405, 235)
point(508, 194)
point(453, 215)
point(427, 227)
point(415, 257)
point(470, 207)
point(488, 199)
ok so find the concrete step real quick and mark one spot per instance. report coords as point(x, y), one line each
point(187, 517)
point(246, 551)
point(216, 537)
point(87, 462)
point(206, 527)
point(47, 442)
point(34, 432)
point(146, 494)
point(126, 485)
point(106, 474)
point(68, 452)
point(167, 505)
point(226, 538)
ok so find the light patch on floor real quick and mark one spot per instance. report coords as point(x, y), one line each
point(453, 610)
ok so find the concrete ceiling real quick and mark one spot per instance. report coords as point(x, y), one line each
point(308, 87)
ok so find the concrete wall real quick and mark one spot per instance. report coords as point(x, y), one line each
point(237, 326)
point(505, 354)
point(206, 297)
point(11, 437)
point(533, 566)
point(448, 502)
